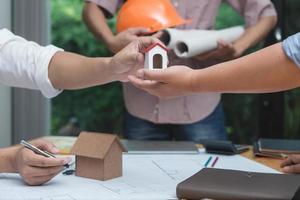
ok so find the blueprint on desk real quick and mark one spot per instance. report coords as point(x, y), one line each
point(144, 177)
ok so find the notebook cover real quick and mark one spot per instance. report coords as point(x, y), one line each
point(257, 153)
point(279, 146)
point(220, 184)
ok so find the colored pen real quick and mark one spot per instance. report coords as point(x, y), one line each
point(215, 161)
point(208, 161)
point(39, 151)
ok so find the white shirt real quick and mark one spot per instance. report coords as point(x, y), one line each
point(25, 64)
point(291, 47)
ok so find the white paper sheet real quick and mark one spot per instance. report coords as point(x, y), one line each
point(144, 177)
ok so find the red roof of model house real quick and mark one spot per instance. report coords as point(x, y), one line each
point(154, 45)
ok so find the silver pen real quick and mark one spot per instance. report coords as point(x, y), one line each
point(39, 151)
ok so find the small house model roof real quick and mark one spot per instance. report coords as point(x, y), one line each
point(154, 45)
point(94, 145)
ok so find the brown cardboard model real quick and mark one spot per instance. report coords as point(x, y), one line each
point(98, 156)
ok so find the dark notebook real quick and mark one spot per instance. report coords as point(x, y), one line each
point(257, 152)
point(279, 146)
point(221, 184)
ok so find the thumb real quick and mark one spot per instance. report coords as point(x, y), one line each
point(140, 59)
point(155, 75)
point(135, 59)
point(158, 34)
point(136, 55)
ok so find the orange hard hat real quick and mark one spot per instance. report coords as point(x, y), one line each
point(153, 14)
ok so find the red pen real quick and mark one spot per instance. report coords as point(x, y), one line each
point(215, 161)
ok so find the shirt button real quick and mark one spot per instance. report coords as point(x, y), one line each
point(186, 115)
point(156, 109)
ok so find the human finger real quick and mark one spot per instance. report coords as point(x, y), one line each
point(45, 145)
point(145, 42)
point(286, 162)
point(208, 55)
point(30, 171)
point(225, 47)
point(222, 43)
point(131, 54)
point(142, 84)
point(158, 34)
point(290, 160)
point(138, 30)
point(152, 87)
point(32, 159)
point(291, 169)
point(158, 75)
point(134, 59)
point(38, 180)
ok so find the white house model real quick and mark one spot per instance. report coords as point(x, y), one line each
point(156, 57)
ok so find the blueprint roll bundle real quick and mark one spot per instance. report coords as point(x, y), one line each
point(189, 43)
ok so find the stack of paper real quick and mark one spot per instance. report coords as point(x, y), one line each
point(144, 177)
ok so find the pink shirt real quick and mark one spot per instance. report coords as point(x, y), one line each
point(187, 109)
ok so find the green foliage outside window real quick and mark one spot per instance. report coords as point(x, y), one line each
point(98, 108)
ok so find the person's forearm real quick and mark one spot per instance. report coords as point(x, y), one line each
point(255, 34)
point(268, 70)
point(73, 71)
point(95, 20)
point(7, 158)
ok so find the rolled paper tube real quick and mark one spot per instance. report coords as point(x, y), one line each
point(171, 36)
point(198, 44)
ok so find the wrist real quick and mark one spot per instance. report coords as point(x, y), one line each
point(239, 52)
point(111, 69)
point(192, 81)
point(240, 48)
point(11, 159)
point(198, 81)
point(102, 72)
point(110, 43)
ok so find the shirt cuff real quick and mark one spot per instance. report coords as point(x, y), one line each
point(42, 77)
point(253, 17)
point(109, 6)
point(291, 47)
point(5, 35)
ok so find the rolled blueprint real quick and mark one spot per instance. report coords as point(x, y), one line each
point(195, 43)
point(171, 36)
